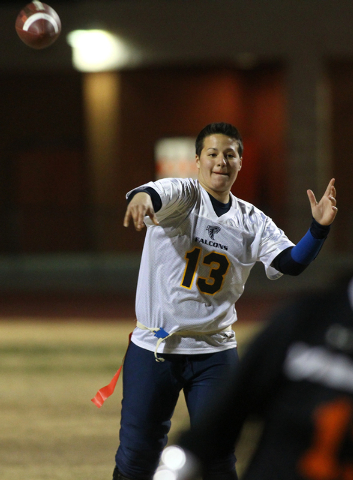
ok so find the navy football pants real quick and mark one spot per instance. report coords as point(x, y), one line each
point(150, 393)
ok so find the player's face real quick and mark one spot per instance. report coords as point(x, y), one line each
point(218, 165)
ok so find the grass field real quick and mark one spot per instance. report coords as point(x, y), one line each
point(50, 430)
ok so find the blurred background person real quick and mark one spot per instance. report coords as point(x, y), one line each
point(296, 378)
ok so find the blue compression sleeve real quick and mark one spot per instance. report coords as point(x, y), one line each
point(294, 260)
point(308, 247)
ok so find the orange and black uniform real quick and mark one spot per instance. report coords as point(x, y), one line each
point(297, 378)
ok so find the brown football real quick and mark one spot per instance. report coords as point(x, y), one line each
point(38, 25)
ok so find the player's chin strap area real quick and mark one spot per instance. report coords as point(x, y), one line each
point(162, 335)
point(177, 464)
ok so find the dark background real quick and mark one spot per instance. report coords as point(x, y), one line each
point(282, 72)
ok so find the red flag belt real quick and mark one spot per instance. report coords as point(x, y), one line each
point(105, 392)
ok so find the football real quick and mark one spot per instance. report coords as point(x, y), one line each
point(38, 25)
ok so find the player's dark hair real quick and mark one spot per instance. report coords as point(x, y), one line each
point(222, 128)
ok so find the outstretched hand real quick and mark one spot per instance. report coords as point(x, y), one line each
point(324, 211)
point(140, 207)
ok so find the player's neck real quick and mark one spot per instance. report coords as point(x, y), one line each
point(222, 197)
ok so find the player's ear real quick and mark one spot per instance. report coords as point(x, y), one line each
point(197, 159)
point(240, 163)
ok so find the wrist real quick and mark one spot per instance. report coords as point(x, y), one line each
point(318, 230)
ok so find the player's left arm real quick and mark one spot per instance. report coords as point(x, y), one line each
point(295, 260)
point(324, 211)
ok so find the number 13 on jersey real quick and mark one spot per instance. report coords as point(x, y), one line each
point(218, 264)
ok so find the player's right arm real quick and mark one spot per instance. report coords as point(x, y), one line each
point(138, 208)
point(166, 197)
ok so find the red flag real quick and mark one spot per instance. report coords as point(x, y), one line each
point(105, 392)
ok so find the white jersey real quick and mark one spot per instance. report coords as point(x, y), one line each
point(195, 264)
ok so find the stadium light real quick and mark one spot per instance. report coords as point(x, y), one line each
point(97, 50)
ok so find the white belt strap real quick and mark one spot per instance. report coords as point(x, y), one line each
point(162, 335)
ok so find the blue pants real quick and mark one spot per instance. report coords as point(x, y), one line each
point(150, 393)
